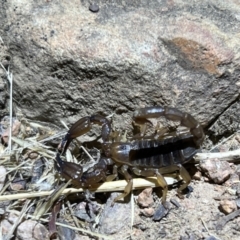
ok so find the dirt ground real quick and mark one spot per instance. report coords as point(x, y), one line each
point(197, 217)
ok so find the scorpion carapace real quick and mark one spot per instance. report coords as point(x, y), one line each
point(144, 156)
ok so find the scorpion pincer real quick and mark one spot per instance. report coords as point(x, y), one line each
point(143, 156)
point(74, 172)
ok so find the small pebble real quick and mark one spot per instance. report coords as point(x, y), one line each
point(17, 184)
point(231, 191)
point(145, 198)
point(218, 171)
point(197, 175)
point(234, 178)
point(94, 7)
point(30, 228)
point(228, 206)
point(12, 218)
point(87, 211)
point(65, 232)
point(15, 130)
point(115, 218)
point(6, 226)
point(160, 213)
point(33, 155)
point(148, 212)
point(175, 202)
point(189, 191)
point(211, 238)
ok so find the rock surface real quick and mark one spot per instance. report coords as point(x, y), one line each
point(69, 62)
point(32, 230)
point(115, 218)
point(218, 171)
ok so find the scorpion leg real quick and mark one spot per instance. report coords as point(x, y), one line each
point(180, 170)
point(186, 178)
point(113, 175)
point(161, 180)
point(129, 185)
point(142, 115)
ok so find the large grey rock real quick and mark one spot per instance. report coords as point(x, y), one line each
point(69, 62)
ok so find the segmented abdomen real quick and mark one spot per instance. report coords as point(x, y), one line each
point(162, 153)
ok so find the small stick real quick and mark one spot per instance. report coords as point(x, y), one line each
point(84, 149)
point(138, 183)
point(221, 223)
point(230, 156)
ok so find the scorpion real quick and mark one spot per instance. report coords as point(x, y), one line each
point(143, 155)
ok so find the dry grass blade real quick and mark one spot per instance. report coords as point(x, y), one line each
point(10, 80)
point(1, 233)
point(138, 183)
point(19, 166)
point(132, 210)
point(43, 207)
point(72, 214)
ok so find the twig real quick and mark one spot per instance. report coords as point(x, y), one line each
point(230, 156)
point(222, 222)
point(221, 143)
point(205, 225)
point(114, 186)
point(132, 209)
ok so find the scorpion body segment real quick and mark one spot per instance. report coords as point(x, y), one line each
point(154, 153)
point(144, 156)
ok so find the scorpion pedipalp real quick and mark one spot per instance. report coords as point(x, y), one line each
point(74, 171)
